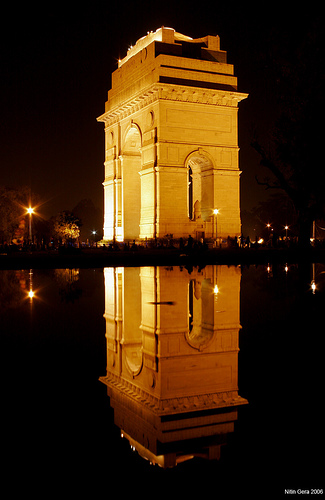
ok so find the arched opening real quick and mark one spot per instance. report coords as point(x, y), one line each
point(190, 194)
point(131, 186)
point(132, 142)
point(200, 193)
point(197, 210)
point(201, 185)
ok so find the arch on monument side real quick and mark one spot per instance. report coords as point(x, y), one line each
point(131, 160)
point(132, 140)
point(200, 198)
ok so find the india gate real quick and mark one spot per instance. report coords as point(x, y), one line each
point(171, 142)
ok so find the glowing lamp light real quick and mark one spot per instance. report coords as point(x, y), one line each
point(216, 290)
point(31, 294)
point(30, 211)
point(313, 286)
point(215, 211)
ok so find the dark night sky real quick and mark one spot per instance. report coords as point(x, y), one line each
point(56, 64)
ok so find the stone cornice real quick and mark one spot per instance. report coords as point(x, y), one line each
point(169, 92)
point(169, 406)
point(129, 107)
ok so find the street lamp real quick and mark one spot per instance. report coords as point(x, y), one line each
point(30, 211)
point(268, 225)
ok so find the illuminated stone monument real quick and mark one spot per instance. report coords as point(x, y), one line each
point(171, 141)
point(172, 358)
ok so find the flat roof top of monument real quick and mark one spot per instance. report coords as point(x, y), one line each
point(169, 35)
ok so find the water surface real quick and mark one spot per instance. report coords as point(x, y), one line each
point(222, 364)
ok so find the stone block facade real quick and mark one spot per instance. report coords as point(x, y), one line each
point(171, 141)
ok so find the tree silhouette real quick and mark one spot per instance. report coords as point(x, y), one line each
point(67, 226)
point(295, 156)
point(13, 203)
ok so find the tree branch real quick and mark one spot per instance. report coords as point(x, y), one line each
point(267, 184)
point(283, 183)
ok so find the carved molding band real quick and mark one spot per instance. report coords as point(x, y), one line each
point(173, 405)
point(171, 93)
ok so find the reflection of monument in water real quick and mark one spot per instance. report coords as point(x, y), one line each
point(172, 358)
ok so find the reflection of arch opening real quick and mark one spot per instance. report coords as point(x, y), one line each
point(131, 186)
point(200, 314)
point(133, 359)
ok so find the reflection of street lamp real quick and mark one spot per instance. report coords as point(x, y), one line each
point(31, 293)
point(30, 211)
point(313, 286)
point(313, 283)
point(216, 211)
